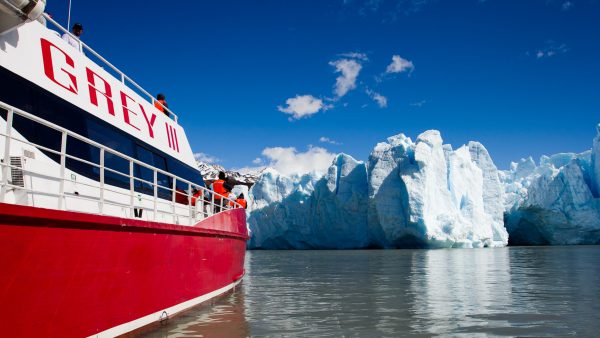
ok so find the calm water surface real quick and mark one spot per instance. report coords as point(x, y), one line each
point(552, 291)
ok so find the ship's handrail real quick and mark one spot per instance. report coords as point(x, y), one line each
point(123, 77)
point(207, 207)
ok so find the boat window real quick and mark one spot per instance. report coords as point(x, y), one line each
point(39, 134)
point(146, 174)
point(86, 152)
point(112, 139)
point(186, 172)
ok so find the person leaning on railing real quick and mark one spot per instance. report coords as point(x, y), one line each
point(77, 30)
point(220, 188)
point(161, 104)
point(241, 201)
point(196, 196)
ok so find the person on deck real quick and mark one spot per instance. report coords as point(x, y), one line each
point(77, 30)
point(196, 196)
point(218, 187)
point(241, 201)
point(161, 104)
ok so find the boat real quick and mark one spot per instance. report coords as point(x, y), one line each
point(106, 224)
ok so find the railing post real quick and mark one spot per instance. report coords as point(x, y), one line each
point(212, 202)
point(192, 212)
point(6, 159)
point(155, 193)
point(131, 187)
point(101, 181)
point(63, 162)
point(173, 194)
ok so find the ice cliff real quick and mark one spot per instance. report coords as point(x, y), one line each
point(408, 194)
point(556, 202)
point(426, 194)
point(311, 211)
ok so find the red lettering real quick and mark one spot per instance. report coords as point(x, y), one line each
point(168, 133)
point(49, 66)
point(150, 122)
point(175, 139)
point(172, 137)
point(126, 110)
point(91, 76)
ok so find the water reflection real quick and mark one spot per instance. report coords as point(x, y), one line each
point(391, 293)
point(222, 318)
point(450, 289)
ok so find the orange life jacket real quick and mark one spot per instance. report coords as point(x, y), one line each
point(242, 202)
point(197, 195)
point(218, 188)
point(159, 106)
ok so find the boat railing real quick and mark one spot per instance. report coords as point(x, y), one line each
point(122, 76)
point(162, 200)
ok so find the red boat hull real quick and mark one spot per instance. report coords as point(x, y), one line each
point(67, 274)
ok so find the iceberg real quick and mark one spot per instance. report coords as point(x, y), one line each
point(595, 163)
point(311, 211)
point(424, 194)
point(408, 194)
point(555, 202)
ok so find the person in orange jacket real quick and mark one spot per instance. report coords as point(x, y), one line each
point(197, 195)
point(219, 187)
point(241, 201)
point(161, 104)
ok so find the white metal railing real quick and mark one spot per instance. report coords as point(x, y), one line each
point(123, 77)
point(178, 206)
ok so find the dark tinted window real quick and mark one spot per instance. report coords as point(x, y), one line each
point(84, 151)
point(39, 134)
point(146, 174)
point(115, 140)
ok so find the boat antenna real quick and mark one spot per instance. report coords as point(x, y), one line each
point(69, 16)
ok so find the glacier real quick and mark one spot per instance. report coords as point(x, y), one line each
point(408, 194)
point(426, 194)
point(311, 211)
point(555, 202)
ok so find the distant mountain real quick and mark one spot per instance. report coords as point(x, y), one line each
point(210, 173)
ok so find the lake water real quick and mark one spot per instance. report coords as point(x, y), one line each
point(517, 291)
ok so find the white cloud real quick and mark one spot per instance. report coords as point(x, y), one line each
point(257, 160)
point(349, 70)
point(289, 161)
point(552, 48)
point(567, 5)
point(419, 103)
point(202, 157)
point(303, 106)
point(324, 139)
point(391, 10)
point(399, 65)
point(380, 99)
point(356, 55)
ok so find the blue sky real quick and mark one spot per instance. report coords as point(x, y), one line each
point(521, 77)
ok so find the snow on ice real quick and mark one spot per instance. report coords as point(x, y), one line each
point(557, 202)
point(409, 194)
point(426, 194)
